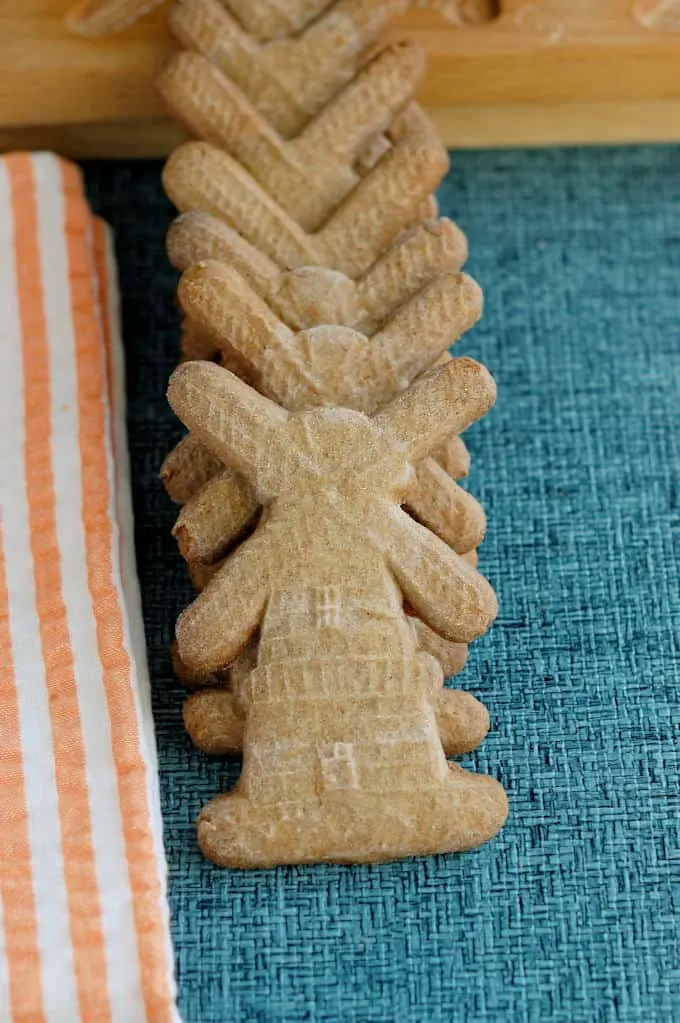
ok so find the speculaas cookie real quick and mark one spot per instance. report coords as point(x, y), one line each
point(219, 508)
point(307, 297)
point(292, 78)
point(342, 756)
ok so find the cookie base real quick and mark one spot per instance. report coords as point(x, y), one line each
point(460, 813)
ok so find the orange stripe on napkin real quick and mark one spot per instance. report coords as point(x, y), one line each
point(101, 263)
point(16, 877)
point(96, 497)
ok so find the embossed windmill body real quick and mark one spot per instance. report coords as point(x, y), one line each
point(342, 756)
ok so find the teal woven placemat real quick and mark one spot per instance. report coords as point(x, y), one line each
point(570, 915)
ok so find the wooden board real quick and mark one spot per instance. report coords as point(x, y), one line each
point(542, 72)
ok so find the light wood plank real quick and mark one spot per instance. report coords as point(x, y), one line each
point(557, 71)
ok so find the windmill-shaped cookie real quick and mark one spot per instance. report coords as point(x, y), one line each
point(307, 296)
point(315, 367)
point(313, 179)
point(304, 298)
point(342, 759)
point(291, 78)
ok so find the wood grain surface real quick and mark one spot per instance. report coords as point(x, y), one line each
point(541, 72)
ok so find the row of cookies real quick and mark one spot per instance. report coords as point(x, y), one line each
point(318, 480)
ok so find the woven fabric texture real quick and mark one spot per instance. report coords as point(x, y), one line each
point(570, 915)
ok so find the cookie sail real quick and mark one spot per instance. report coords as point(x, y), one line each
point(312, 178)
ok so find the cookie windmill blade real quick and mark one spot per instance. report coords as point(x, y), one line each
point(386, 202)
point(418, 333)
point(314, 604)
point(311, 174)
point(221, 302)
point(444, 401)
point(198, 176)
point(418, 255)
point(225, 616)
point(247, 440)
point(449, 399)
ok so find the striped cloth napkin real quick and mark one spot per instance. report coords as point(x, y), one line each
point(84, 934)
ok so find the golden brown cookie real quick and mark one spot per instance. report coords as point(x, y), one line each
point(342, 756)
point(219, 509)
point(290, 80)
